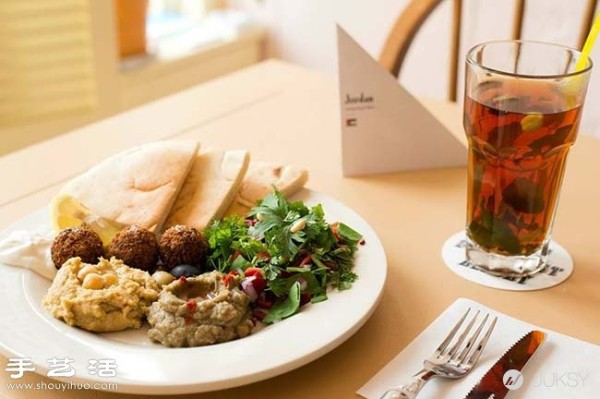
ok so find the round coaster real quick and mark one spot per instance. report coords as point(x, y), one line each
point(559, 268)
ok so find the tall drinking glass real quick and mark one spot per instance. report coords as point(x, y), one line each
point(523, 104)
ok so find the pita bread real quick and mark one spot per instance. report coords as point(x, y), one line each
point(137, 186)
point(210, 188)
point(259, 182)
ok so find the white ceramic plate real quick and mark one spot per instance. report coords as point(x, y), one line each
point(27, 330)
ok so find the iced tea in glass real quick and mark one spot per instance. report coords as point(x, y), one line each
point(522, 108)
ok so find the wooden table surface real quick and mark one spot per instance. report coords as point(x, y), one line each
point(285, 113)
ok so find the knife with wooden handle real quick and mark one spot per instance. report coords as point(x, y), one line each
point(496, 382)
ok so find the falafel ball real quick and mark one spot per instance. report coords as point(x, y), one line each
point(136, 247)
point(82, 242)
point(183, 245)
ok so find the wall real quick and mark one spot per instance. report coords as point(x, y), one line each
point(303, 32)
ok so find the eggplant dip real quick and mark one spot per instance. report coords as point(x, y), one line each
point(199, 311)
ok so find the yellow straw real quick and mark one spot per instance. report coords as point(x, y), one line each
point(589, 44)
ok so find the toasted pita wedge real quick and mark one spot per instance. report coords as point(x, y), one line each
point(259, 182)
point(137, 186)
point(210, 188)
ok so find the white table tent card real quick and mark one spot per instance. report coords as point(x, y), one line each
point(384, 128)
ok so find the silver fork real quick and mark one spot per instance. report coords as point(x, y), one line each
point(448, 363)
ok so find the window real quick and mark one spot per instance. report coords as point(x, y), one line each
point(47, 67)
point(175, 28)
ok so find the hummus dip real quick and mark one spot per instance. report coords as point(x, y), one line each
point(198, 311)
point(109, 296)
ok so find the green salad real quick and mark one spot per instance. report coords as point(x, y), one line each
point(283, 255)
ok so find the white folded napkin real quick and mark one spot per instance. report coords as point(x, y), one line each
point(562, 368)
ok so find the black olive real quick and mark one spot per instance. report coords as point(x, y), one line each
point(185, 271)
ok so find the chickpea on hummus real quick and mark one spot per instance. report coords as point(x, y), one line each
point(109, 296)
point(199, 311)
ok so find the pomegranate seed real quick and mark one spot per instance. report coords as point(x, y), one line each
point(305, 298)
point(259, 314)
point(264, 302)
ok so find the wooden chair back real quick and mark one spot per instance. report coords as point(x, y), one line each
point(416, 13)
